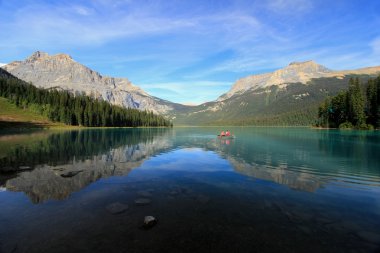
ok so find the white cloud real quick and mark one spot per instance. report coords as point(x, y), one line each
point(193, 37)
point(48, 26)
point(161, 41)
point(78, 25)
point(2, 64)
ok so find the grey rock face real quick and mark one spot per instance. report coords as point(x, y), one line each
point(295, 72)
point(62, 72)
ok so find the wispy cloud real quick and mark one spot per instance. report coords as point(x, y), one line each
point(47, 25)
point(202, 45)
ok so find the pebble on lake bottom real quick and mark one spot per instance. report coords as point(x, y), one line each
point(71, 173)
point(142, 201)
point(117, 208)
point(149, 222)
point(144, 193)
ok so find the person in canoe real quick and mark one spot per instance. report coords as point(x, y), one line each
point(228, 133)
point(222, 133)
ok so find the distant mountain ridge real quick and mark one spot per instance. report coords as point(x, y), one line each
point(288, 96)
point(268, 98)
point(295, 72)
point(62, 72)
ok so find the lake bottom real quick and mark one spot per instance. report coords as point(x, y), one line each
point(196, 212)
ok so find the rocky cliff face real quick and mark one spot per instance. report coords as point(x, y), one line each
point(61, 71)
point(295, 72)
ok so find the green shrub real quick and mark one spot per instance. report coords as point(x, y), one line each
point(346, 125)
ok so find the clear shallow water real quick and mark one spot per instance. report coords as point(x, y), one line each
point(267, 190)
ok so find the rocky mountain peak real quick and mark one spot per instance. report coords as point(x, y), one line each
point(297, 63)
point(37, 56)
point(62, 72)
point(307, 67)
point(40, 56)
point(295, 72)
point(65, 57)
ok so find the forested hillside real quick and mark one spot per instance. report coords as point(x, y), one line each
point(62, 106)
point(358, 107)
point(295, 105)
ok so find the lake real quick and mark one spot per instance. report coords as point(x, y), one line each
point(266, 190)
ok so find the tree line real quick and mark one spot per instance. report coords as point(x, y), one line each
point(292, 118)
point(62, 106)
point(358, 107)
point(62, 147)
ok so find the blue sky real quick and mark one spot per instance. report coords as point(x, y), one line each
point(192, 51)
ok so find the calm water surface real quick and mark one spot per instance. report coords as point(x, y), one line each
point(267, 190)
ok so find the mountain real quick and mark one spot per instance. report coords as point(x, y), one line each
point(296, 72)
point(288, 96)
point(62, 72)
point(5, 74)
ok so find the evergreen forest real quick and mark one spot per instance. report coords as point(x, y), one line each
point(75, 110)
point(358, 107)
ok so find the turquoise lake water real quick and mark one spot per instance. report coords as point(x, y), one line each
point(266, 190)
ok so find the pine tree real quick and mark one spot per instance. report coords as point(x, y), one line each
point(338, 110)
point(372, 102)
point(355, 100)
point(377, 105)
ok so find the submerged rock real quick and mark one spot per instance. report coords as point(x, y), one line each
point(117, 208)
point(71, 173)
point(142, 201)
point(149, 222)
point(144, 193)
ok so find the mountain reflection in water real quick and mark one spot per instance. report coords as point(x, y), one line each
point(268, 190)
point(65, 162)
